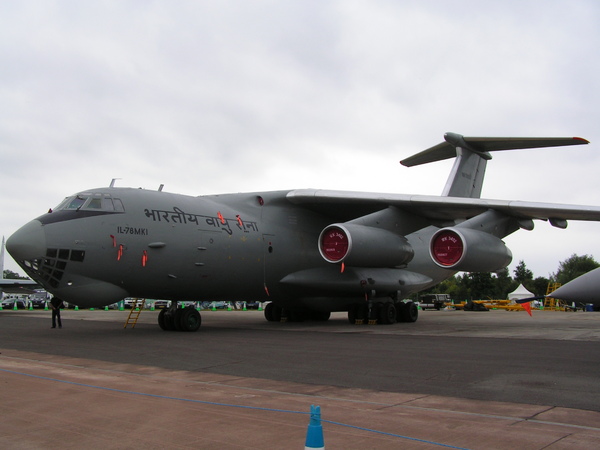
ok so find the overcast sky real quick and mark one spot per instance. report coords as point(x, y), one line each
point(232, 96)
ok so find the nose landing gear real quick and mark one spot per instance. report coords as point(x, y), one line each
point(179, 319)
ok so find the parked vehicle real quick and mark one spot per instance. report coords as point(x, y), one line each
point(9, 303)
point(434, 301)
point(216, 305)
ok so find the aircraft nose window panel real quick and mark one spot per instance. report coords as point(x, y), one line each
point(52, 267)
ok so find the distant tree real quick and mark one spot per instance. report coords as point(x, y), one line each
point(481, 285)
point(573, 267)
point(504, 284)
point(539, 286)
point(522, 274)
point(10, 275)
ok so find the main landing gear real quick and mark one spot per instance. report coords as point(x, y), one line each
point(275, 313)
point(179, 319)
point(368, 312)
point(385, 313)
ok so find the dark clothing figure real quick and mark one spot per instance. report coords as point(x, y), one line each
point(56, 303)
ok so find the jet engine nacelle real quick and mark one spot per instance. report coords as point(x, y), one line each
point(362, 246)
point(468, 250)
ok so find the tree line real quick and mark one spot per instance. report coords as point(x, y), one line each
point(480, 285)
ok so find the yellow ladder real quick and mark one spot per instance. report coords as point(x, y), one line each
point(136, 309)
point(549, 302)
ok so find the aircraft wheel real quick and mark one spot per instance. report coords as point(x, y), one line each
point(165, 320)
point(277, 313)
point(296, 315)
point(352, 314)
point(162, 320)
point(176, 318)
point(411, 312)
point(387, 313)
point(189, 319)
point(269, 312)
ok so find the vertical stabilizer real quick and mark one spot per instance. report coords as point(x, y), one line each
point(466, 176)
point(472, 155)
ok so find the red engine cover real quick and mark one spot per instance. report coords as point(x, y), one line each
point(447, 248)
point(334, 244)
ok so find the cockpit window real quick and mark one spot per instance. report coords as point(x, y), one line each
point(77, 201)
point(95, 202)
point(91, 202)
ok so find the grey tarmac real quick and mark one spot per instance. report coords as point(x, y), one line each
point(478, 380)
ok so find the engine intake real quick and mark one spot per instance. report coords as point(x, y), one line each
point(468, 250)
point(362, 246)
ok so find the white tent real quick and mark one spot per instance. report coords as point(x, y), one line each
point(520, 293)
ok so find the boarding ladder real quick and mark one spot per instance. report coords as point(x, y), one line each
point(136, 308)
point(549, 302)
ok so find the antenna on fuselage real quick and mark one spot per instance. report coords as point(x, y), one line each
point(112, 183)
point(160, 188)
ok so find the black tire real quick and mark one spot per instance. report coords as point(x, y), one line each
point(296, 315)
point(161, 320)
point(176, 318)
point(165, 320)
point(189, 319)
point(387, 314)
point(352, 314)
point(277, 313)
point(412, 312)
point(269, 312)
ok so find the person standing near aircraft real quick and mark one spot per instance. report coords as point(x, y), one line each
point(56, 303)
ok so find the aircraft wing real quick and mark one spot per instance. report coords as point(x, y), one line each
point(11, 286)
point(439, 207)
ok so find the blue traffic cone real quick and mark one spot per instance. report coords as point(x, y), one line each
point(314, 434)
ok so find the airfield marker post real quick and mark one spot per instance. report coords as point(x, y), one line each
point(314, 433)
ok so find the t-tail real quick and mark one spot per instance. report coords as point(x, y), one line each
point(472, 155)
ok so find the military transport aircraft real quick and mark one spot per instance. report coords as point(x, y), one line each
point(306, 252)
point(585, 289)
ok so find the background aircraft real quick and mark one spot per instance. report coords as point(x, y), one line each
point(9, 286)
point(583, 289)
point(309, 252)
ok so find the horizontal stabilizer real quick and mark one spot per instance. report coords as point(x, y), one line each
point(483, 145)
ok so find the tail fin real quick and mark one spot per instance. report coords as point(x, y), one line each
point(472, 155)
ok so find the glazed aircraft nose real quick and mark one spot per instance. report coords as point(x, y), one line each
point(28, 242)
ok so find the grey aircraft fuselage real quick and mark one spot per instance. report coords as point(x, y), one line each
point(306, 252)
point(234, 247)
